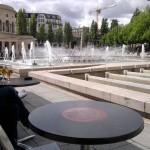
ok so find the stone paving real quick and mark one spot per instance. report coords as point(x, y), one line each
point(43, 94)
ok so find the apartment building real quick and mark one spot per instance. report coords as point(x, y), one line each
point(77, 32)
point(44, 19)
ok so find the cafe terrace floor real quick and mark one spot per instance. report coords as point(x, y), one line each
point(43, 94)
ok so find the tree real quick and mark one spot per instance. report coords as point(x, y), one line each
point(50, 34)
point(104, 27)
point(59, 36)
point(67, 33)
point(114, 23)
point(33, 26)
point(85, 36)
point(41, 35)
point(21, 22)
point(94, 33)
point(135, 14)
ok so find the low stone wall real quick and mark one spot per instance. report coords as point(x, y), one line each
point(118, 83)
point(133, 99)
point(134, 79)
point(136, 74)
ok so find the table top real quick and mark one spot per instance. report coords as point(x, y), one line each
point(86, 122)
point(19, 82)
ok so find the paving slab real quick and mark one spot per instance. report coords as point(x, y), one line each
point(35, 99)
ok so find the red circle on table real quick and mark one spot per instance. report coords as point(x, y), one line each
point(84, 114)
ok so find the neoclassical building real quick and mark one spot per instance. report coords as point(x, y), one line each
point(8, 35)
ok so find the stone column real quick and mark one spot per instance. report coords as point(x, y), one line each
point(17, 49)
point(3, 45)
point(9, 47)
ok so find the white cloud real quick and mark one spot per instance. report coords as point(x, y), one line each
point(76, 12)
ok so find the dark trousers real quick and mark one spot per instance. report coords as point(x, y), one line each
point(12, 109)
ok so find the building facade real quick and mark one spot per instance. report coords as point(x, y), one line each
point(77, 33)
point(44, 19)
point(8, 35)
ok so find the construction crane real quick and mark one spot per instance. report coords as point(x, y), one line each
point(98, 11)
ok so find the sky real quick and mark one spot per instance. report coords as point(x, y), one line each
point(76, 12)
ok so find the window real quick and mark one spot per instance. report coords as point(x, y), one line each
point(6, 15)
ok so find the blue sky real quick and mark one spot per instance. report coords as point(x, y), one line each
point(77, 11)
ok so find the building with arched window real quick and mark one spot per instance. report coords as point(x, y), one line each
point(8, 35)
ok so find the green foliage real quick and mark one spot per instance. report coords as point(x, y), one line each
point(135, 14)
point(104, 27)
point(85, 36)
point(94, 33)
point(137, 31)
point(50, 34)
point(33, 26)
point(114, 23)
point(68, 36)
point(59, 36)
point(21, 22)
point(41, 35)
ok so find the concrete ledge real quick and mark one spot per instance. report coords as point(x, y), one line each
point(127, 66)
point(144, 71)
point(125, 97)
point(140, 65)
point(128, 78)
point(80, 70)
point(97, 68)
point(137, 74)
point(108, 68)
point(147, 107)
point(61, 71)
point(119, 83)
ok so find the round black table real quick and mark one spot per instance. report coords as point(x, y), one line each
point(86, 122)
point(19, 82)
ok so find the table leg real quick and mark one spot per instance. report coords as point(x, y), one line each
point(85, 147)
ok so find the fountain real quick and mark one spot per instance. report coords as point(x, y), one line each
point(59, 56)
point(107, 52)
point(6, 54)
point(23, 51)
point(123, 51)
point(142, 54)
point(13, 53)
point(48, 47)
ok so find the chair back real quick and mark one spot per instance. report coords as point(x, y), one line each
point(4, 140)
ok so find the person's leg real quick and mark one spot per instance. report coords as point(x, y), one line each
point(8, 120)
point(8, 95)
